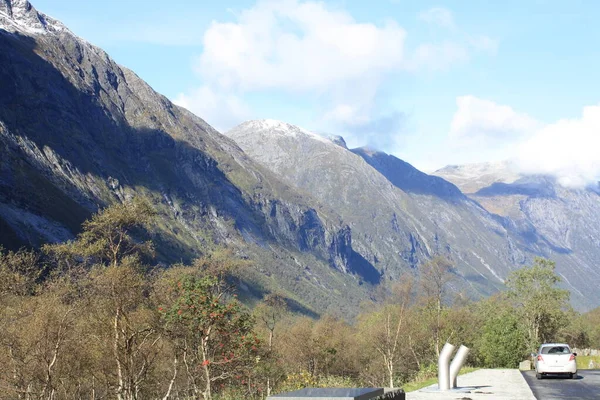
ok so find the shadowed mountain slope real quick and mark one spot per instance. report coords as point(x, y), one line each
point(407, 178)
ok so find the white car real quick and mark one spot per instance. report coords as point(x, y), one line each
point(555, 358)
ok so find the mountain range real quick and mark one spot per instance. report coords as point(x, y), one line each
point(324, 224)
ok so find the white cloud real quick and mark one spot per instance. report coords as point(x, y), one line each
point(221, 110)
point(487, 122)
point(304, 48)
point(483, 130)
point(438, 16)
point(297, 46)
point(456, 47)
point(566, 149)
point(346, 114)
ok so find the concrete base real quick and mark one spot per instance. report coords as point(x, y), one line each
point(483, 384)
point(435, 389)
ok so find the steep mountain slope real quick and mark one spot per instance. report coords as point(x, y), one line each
point(78, 131)
point(399, 216)
point(562, 223)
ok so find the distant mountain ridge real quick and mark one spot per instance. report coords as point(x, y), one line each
point(472, 177)
point(564, 223)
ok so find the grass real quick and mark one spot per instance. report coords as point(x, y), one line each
point(416, 385)
point(583, 362)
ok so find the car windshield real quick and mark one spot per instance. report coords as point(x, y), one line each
point(556, 350)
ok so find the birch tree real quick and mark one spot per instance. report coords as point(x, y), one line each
point(436, 274)
point(541, 304)
point(269, 314)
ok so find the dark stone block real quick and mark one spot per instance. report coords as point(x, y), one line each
point(392, 394)
point(330, 394)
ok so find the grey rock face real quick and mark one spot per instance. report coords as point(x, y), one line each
point(6, 7)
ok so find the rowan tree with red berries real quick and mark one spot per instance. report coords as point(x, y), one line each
point(212, 331)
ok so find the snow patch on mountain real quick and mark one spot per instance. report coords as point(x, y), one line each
point(20, 16)
point(274, 127)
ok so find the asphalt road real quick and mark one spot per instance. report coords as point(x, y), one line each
point(586, 386)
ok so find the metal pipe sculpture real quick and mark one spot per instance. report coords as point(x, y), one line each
point(457, 363)
point(443, 367)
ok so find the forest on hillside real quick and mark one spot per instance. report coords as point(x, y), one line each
point(99, 318)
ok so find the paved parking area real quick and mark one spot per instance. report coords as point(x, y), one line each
point(586, 386)
point(490, 384)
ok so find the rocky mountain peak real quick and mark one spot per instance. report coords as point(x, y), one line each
point(337, 139)
point(274, 128)
point(21, 16)
point(22, 12)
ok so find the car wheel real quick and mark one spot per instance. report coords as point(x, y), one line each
point(538, 375)
point(574, 376)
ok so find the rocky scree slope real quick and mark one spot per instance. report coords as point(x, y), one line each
point(78, 131)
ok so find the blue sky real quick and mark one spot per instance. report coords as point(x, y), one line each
point(433, 83)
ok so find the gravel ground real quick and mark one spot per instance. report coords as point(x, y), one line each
point(490, 384)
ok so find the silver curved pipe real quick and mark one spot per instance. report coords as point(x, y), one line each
point(443, 367)
point(457, 363)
